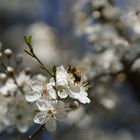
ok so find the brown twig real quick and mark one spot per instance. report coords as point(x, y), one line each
point(36, 132)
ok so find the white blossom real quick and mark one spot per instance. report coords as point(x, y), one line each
point(49, 113)
point(65, 85)
point(9, 88)
point(16, 114)
point(23, 80)
point(79, 92)
point(39, 90)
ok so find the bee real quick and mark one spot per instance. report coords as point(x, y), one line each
point(76, 72)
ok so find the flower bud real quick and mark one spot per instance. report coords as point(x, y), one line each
point(10, 69)
point(19, 59)
point(74, 105)
point(3, 76)
point(8, 53)
point(28, 70)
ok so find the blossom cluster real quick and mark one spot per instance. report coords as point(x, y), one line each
point(14, 107)
point(51, 97)
point(108, 34)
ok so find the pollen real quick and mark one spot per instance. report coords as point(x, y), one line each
point(45, 91)
point(49, 111)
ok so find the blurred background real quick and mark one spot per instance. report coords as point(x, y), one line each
point(101, 35)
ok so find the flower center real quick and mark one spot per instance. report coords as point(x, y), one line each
point(45, 91)
point(49, 112)
point(61, 90)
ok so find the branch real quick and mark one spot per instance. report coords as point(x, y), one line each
point(36, 132)
point(31, 52)
point(112, 74)
point(127, 67)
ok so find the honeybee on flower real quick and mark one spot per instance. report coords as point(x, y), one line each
point(49, 96)
point(76, 72)
point(70, 82)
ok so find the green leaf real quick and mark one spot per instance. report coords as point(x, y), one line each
point(27, 39)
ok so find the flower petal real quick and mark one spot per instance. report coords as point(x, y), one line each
point(51, 124)
point(41, 104)
point(41, 78)
point(51, 91)
point(36, 86)
point(52, 82)
point(40, 117)
point(61, 76)
point(83, 99)
point(52, 94)
point(32, 96)
point(73, 94)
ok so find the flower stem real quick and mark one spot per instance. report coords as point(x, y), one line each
point(32, 54)
point(36, 132)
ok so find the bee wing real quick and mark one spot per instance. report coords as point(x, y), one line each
point(82, 69)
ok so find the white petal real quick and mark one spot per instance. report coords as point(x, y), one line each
point(52, 82)
point(61, 69)
point(41, 104)
point(8, 88)
point(11, 87)
point(53, 95)
point(32, 96)
point(51, 124)
point(40, 117)
point(51, 91)
point(81, 95)
point(84, 93)
point(4, 91)
point(75, 89)
point(73, 94)
point(23, 79)
point(61, 115)
point(84, 99)
point(41, 78)
point(61, 76)
point(36, 86)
